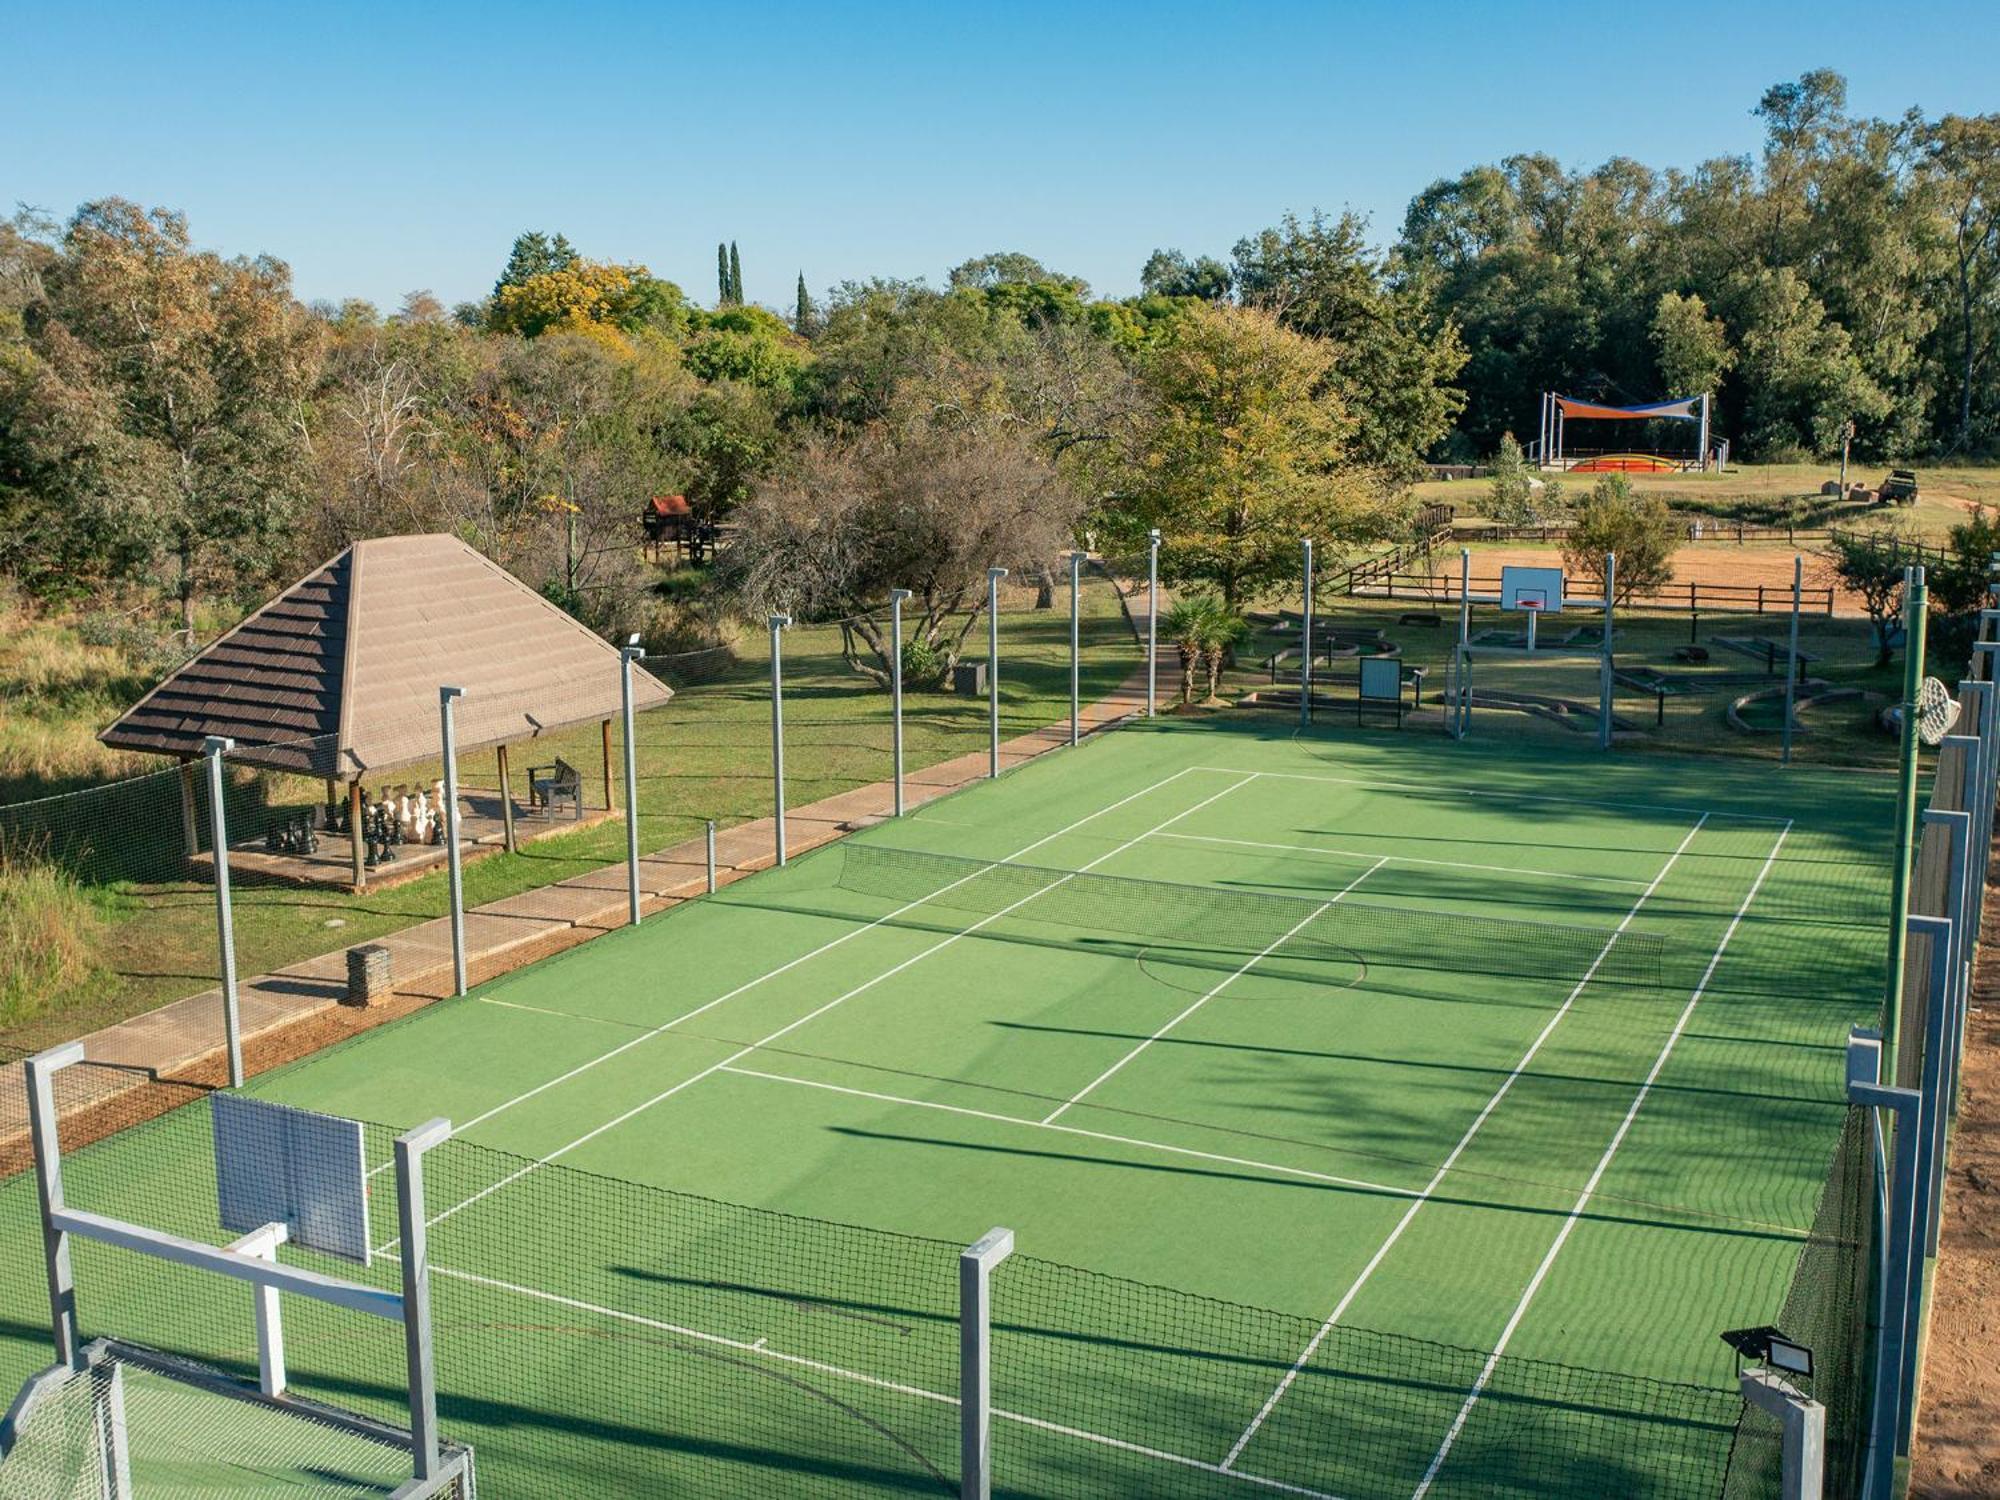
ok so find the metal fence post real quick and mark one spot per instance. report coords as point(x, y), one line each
point(993, 577)
point(709, 837)
point(1461, 707)
point(1914, 615)
point(1306, 633)
point(627, 658)
point(44, 1132)
point(1075, 644)
point(213, 748)
point(896, 598)
point(778, 623)
point(1792, 659)
point(1865, 1058)
point(975, 1361)
point(447, 696)
point(412, 1226)
point(1802, 1421)
point(1604, 659)
point(1152, 620)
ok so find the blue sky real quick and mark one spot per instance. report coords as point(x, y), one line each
point(382, 148)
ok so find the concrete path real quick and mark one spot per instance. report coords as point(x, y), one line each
point(298, 1009)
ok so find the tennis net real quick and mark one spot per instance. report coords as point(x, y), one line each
point(1209, 924)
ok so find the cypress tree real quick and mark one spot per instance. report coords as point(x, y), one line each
point(802, 320)
point(721, 274)
point(735, 276)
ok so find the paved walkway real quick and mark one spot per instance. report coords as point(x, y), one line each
point(298, 1008)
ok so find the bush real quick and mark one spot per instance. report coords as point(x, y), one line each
point(48, 936)
point(1638, 530)
point(924, 665)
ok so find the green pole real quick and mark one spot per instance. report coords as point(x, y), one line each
point(1906, 814)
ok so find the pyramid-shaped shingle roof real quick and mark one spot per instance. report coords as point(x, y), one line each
point(339, 674)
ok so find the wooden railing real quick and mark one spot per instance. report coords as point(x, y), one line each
point(1693, 596)
point(1433, 525)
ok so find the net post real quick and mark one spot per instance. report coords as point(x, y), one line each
point(1075, 644)
point(1604, 655)
point(628, 657)
point(263, 1243)
point(896, 598)
point(114, 1436)
point(976, 1264)
point(708, 839)
point(447, 699)
point(778, 624)
point(213, 748)
point(1803, 1423)
point(1152, 621)
point(1306, 632)
point(413, 1228)
point(40, 1071)
point(1792, 659)
point(993, 577)
point(1914, 611)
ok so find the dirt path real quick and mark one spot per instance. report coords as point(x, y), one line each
point(1957, 1455)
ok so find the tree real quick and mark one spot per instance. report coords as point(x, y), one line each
point(1511, 495)
point(1870, 563)
point(735, 276)
point(1638, 531)
point(1394, 359)
point(168, 381)
point(928, 509)
point(804, 321)
point(723, 285)
point(1204, 631)
point(1168, 273)
point(534, 254)
point(1691, 347)
point(1010, 268)
point(1242, 453)
point(1962, 159)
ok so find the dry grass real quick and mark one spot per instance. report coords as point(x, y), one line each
point(56, 691)
point(49, 936)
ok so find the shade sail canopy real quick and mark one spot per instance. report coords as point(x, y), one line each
point(339, 674)
point(1677, 411)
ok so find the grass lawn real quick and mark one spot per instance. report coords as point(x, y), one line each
point(705, 755)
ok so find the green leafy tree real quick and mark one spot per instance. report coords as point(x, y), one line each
point(1010, 268)
point(735, 275)
point(1394, 358)
point(723, 285)
point(1869, 563)
point(1242, 452)
point(1637, 530)
point(535, 254)
point(1692, 348)
point(1168, 273)
point(164, 383)
point(805, 320)
point(1511, 494)
point(1962, 164)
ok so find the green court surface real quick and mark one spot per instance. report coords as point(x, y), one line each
point(1376, 1115)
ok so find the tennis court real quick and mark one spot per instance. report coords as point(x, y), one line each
point(1376, 1116)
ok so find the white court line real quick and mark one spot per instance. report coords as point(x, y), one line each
point(761, 1347)
point(1095, 1135)
point(1406, 859)
point(1590, 1187)
point(1479, 1120)
point(842, 999)
point(1436, 788)
point(750, 984)
point(1267, 950)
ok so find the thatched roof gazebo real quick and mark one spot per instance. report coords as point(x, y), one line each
point(337, 677)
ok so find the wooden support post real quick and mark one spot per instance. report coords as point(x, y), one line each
point(608, 803)
point(506, 798)
point(355, 844)
point(190, 838)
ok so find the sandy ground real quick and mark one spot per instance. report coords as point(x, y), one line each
point(1957, 1453)
point(1702, 562)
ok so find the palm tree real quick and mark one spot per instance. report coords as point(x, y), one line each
point(1204, 630)
point(1227, 630)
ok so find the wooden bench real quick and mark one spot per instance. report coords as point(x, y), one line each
point(548, 785)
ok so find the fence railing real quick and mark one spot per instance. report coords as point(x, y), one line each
point(1694, 596)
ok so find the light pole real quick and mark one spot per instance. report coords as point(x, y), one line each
point(1152, 619)
point(627, 657)
point(1075, 643)
point(1306, 637)
point(896, 598)
point(778, 623)
point(214, 747)
point(447, 697)
point(993, 577)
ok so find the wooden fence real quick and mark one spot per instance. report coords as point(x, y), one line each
point(1693, 596)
